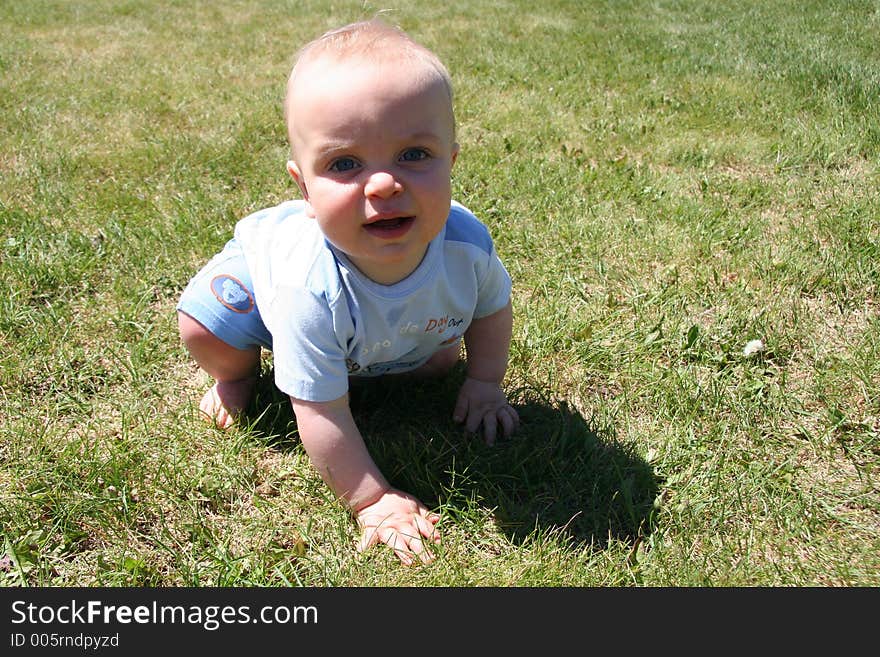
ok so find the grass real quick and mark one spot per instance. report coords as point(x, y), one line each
point(665, 182)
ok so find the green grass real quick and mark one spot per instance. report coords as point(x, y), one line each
point(665, 182)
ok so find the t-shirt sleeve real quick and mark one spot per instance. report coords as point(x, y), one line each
point(309, 359)
point(472, 241)
point(494, 288)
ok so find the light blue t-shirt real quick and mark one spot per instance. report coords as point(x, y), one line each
point(328, 321)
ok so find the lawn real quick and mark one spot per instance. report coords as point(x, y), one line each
point(667, 182)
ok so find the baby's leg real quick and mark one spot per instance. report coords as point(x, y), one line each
point(234, 370)
point(440, 363)
point(221, 327)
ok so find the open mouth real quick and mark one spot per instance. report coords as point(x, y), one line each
point(389, 227)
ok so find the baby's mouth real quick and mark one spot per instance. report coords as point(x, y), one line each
point(389, 227)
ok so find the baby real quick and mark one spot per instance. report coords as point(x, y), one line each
point(375, 271)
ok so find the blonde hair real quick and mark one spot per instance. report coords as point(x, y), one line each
point(373, 40)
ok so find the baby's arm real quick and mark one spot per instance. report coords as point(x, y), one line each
point(481, 401)
point(337, 450)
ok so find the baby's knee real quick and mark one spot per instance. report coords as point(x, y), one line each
point(442, 361)
point(191, 331)
point(199, 339)
point(219, 359)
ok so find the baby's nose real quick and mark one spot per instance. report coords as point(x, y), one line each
point(382, 184)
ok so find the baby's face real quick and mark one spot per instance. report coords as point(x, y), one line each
point(374, 147)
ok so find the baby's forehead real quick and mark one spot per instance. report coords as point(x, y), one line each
point(360, 89)
point(333, 78)
point(318, 67)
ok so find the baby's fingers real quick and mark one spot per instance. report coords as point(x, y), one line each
point(475, 418)
point(506, 416)
point(490, 427)
point(509, 419)
point(405, 546)
point(460, 412)
point(369, 537)
point(405, 542)
point(426, 523)
point(412, 541)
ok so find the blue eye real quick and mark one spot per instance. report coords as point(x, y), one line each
point(343, 164)
point(414, 155)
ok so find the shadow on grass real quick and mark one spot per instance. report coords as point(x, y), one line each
point(558, 473)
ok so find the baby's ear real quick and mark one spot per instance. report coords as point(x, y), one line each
point(297, 176)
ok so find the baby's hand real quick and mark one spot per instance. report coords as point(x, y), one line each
point(400, 521)
point(482, 402)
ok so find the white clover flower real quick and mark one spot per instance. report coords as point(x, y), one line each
point(753, 347)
